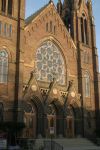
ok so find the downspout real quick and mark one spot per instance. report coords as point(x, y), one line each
point(17, 71)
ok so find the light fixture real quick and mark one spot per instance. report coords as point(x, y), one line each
point(55, 91)
point(34, 88)
point(73, 94)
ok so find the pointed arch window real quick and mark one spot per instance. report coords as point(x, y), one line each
point(3, 66)
point(49, 63)
point(50, 26)
point(84, 30)
point(87, 85)
point(10, 4)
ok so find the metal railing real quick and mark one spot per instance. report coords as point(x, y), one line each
point(37, 144)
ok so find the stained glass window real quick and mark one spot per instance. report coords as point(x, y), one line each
point(3, 66)
point(50, 63)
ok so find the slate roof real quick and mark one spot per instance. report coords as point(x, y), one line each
point(30, 18)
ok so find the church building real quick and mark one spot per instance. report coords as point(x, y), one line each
point(49, 74)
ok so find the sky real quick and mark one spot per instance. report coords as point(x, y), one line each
point(33, 5)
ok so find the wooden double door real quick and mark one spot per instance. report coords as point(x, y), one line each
point(70, 127)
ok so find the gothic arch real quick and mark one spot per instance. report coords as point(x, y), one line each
point(59, 117)
point(40, 115)
point(35, 102)
point(77, 112)
point(8, 51)
point(56, 42)
point(54, 62)
point(3, 66)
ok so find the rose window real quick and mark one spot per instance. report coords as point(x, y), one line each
point(50, 63)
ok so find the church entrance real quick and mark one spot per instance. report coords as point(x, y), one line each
point(51, 118)
point(30, 121)
point(70, 123)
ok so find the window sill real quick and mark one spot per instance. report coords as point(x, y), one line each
point(4, 84)
point(5, 37)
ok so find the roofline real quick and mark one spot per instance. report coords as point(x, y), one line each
point(48, 5)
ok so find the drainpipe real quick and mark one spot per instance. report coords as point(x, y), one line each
point(17, 72)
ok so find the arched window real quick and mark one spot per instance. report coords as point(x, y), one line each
point(87, 85)
point(10, 4)
point(3, 6)
point(50, 63)
point(84, 32)
point(51, 26)
point(46, 27)
point(3, 66)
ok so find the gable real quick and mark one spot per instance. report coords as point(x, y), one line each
point(83, 8)
point(48, 14)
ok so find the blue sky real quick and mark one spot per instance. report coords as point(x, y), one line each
point(34, 5)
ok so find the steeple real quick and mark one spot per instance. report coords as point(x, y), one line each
point(71, 4)
point(66, 12)
point(59, 7)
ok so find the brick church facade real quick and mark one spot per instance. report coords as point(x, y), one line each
point(49, 76)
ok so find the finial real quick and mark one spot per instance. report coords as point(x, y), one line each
point(51, 1)
point(89, 1)
point(59, 7)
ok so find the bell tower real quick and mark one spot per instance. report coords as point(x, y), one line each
point(78, 18)
point(12, 16)
point(59, 7)
point(69, 15)
point(9, 8)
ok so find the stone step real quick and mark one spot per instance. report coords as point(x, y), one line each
point(74, 144)
point(68, 144)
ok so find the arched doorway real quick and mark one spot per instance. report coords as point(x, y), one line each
point(51, 118)
point(70, 122)
point(30, 120)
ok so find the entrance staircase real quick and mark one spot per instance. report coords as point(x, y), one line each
point(77, 144)
point(59, 144)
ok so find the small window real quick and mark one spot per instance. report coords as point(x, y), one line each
point(5, 29)
point(10, 30)
point(3, 66)
point(46, 27)
point(82, 30)
point(3, 6)
point(86, 35)
point(54, 29)
point(50, 26)
point(0, 27)
point(10, 7)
